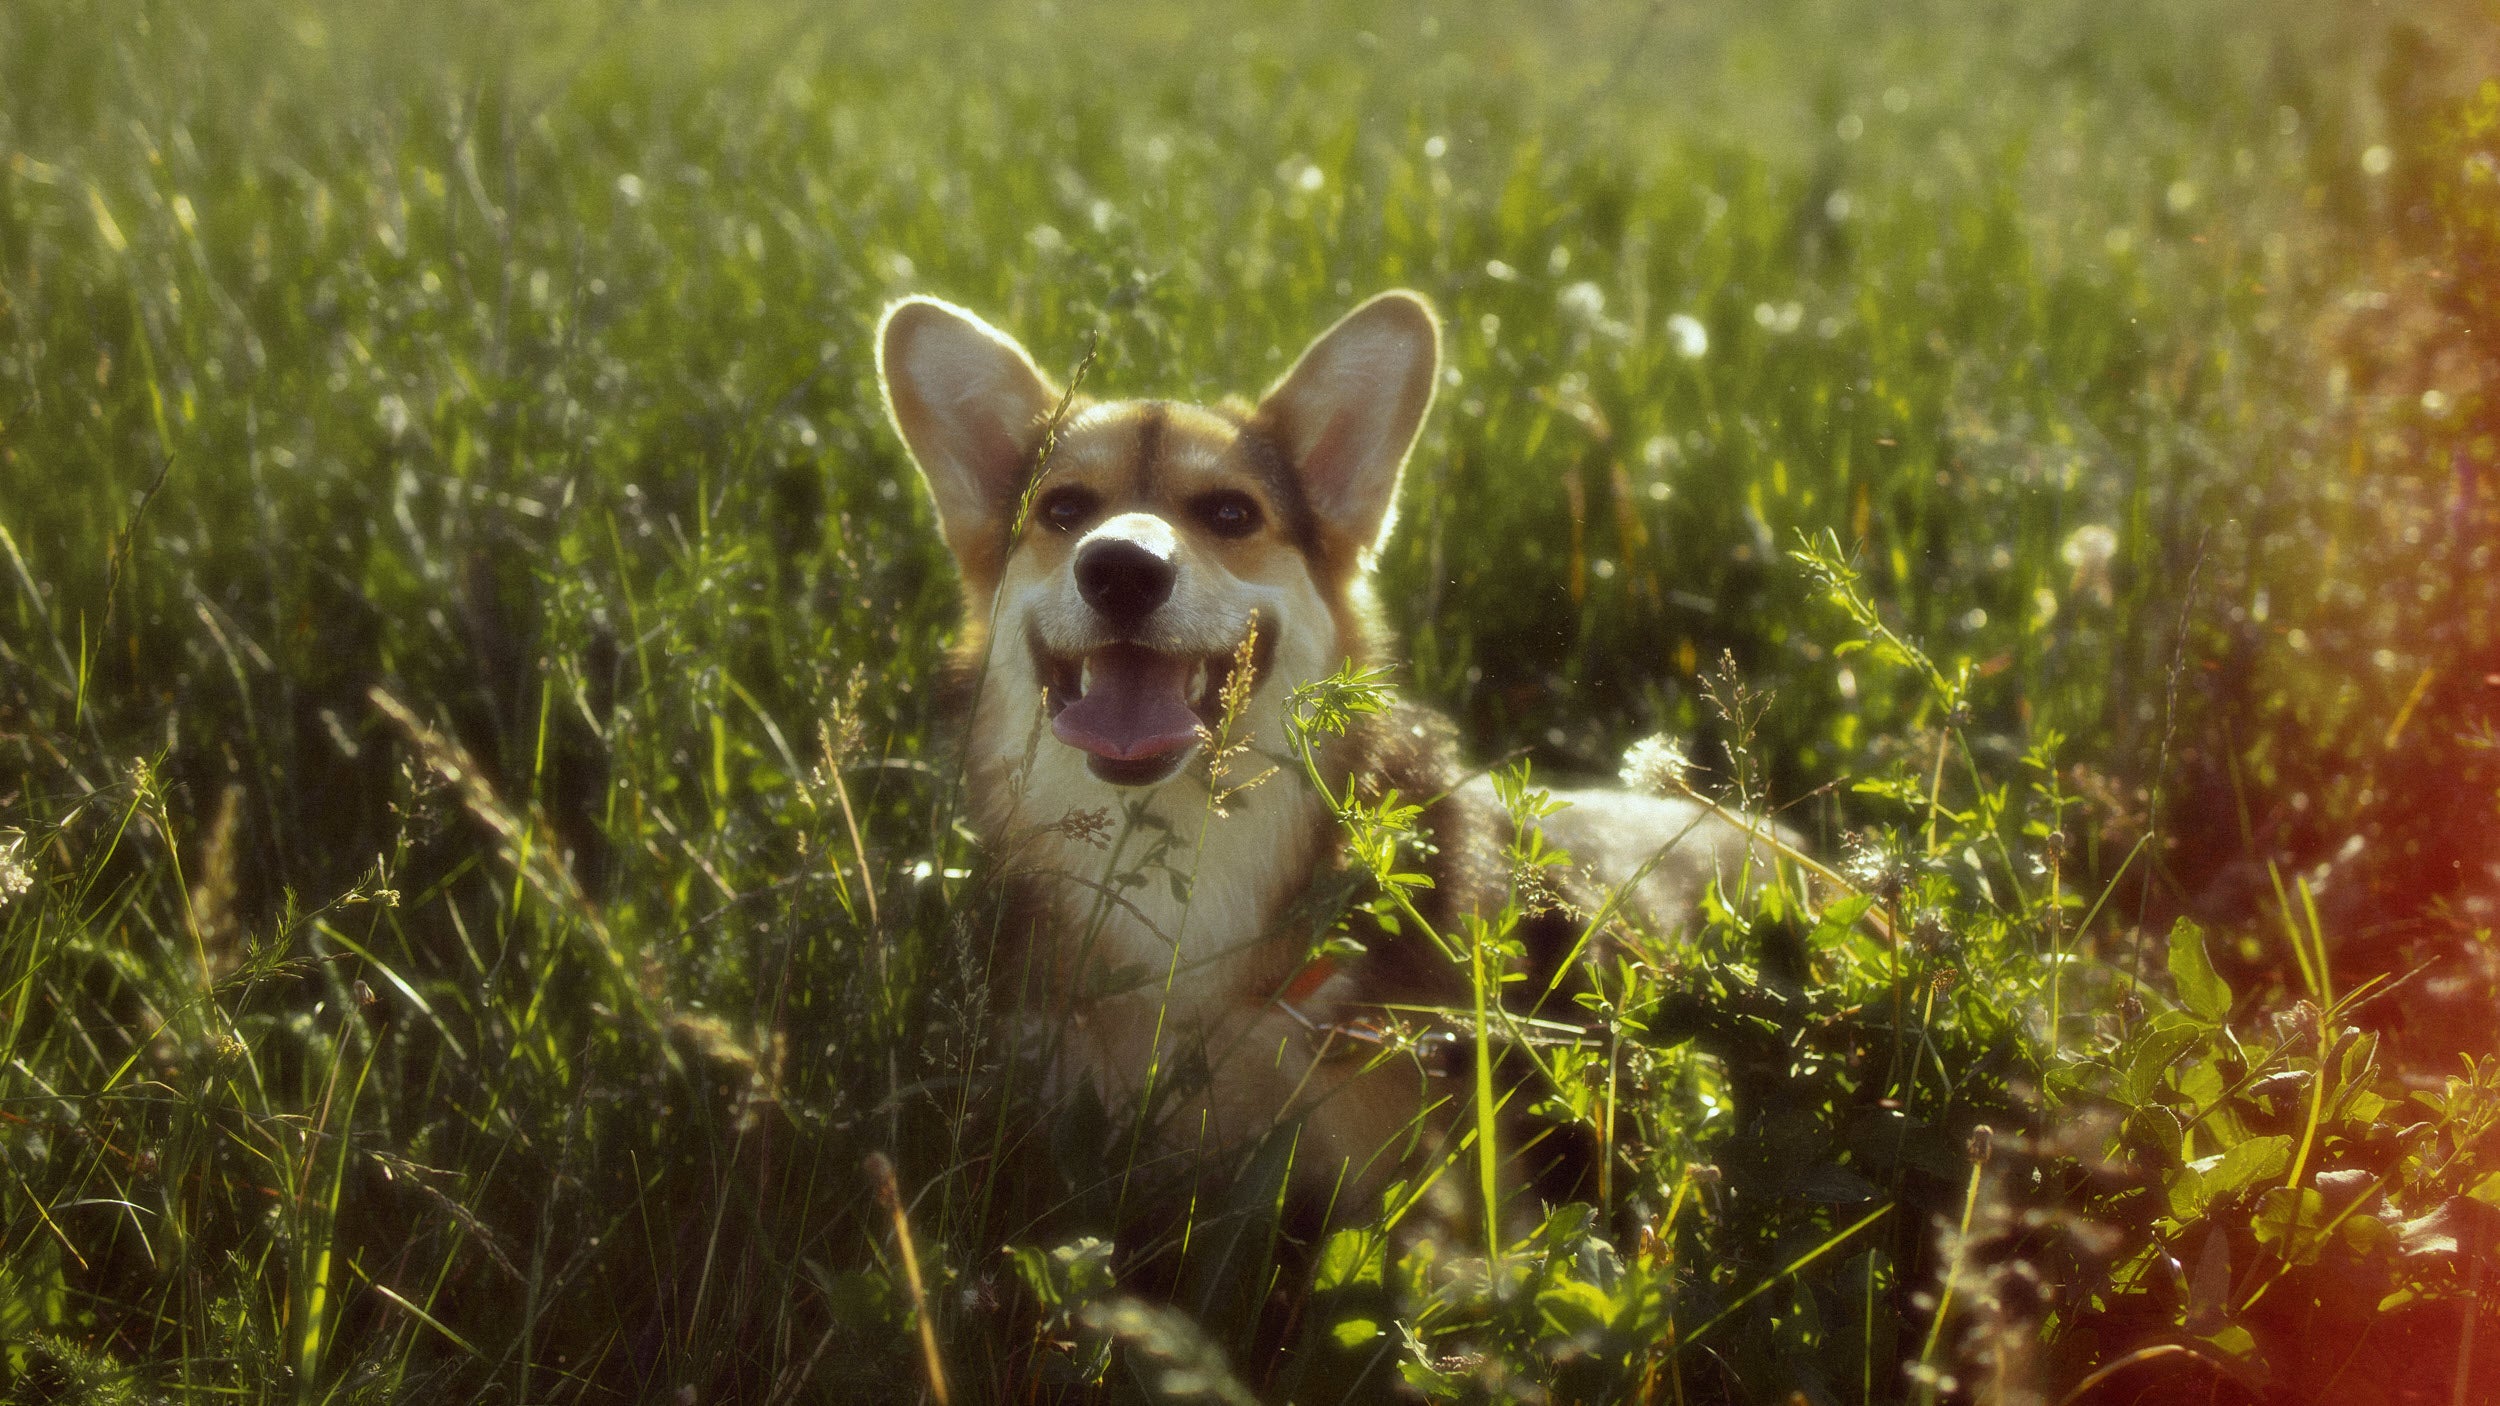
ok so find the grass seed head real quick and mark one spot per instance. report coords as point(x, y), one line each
point(1657, 765)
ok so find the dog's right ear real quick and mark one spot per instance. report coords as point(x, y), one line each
point(971, 407)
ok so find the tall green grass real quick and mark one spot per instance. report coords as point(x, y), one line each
point(468, 647)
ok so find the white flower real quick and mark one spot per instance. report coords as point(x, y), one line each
point(1692, 340)
point(1582, 301)
point(1782, 318)
point(1873, 862)
point(2088, 549)
point(15, 877)
point(1656, 765)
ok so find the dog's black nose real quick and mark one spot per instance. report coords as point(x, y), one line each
point(1122, 580)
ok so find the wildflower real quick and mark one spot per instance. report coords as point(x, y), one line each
point(1781, 318)
point(15, 877)
point(2089, 549)
point(1656, 765)
point(1582, 301)
point(1692, 340)
point(1876, 864)
point(1091, 827)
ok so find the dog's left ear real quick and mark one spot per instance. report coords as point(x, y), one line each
point(1348, 411)
point(971, 406)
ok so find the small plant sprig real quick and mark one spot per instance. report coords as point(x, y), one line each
point(1376, 827)
point(1227, 743)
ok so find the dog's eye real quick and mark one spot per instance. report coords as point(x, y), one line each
point(1064, 508)
point(1229, 514)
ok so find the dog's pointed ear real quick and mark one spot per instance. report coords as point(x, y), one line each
point(971, 407)
point(1348, 411)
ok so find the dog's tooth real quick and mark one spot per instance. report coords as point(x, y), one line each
point(1198, 682)
point(1085, 676)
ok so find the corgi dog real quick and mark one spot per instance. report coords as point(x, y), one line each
point(1146, 583)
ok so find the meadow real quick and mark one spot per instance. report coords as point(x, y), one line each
point(484, 913)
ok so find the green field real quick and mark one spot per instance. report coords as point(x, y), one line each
point(479, 867)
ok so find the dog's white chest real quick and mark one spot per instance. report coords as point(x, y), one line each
point(1176, 897)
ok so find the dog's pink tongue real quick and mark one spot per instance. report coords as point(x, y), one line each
point(1135, 707)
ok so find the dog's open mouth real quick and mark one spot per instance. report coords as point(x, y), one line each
point(1135, 712)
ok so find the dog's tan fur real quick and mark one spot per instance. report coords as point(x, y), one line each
point(1178, 981)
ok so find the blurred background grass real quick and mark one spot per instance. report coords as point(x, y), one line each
point(516, 360)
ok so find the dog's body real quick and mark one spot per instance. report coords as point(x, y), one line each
point(1123, 562)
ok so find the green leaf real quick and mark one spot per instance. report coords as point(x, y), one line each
point(2161, 1125)
point(2366, 1235)
point(1838, 918)
point(1350, 1257)
point(2360, 1062)
point(2487, 1190)
point(2201, 1082)
point(2288, 1221)
point(1354, 1332)
point(2201, 989)
point(1573, 1307)
point(2365, 1106)
point(2233, 1341)
point(1033, 1267)
point(2209, 1179)
point(2158, 1047)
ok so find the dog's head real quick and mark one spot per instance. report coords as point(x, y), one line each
point(1126, 570)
